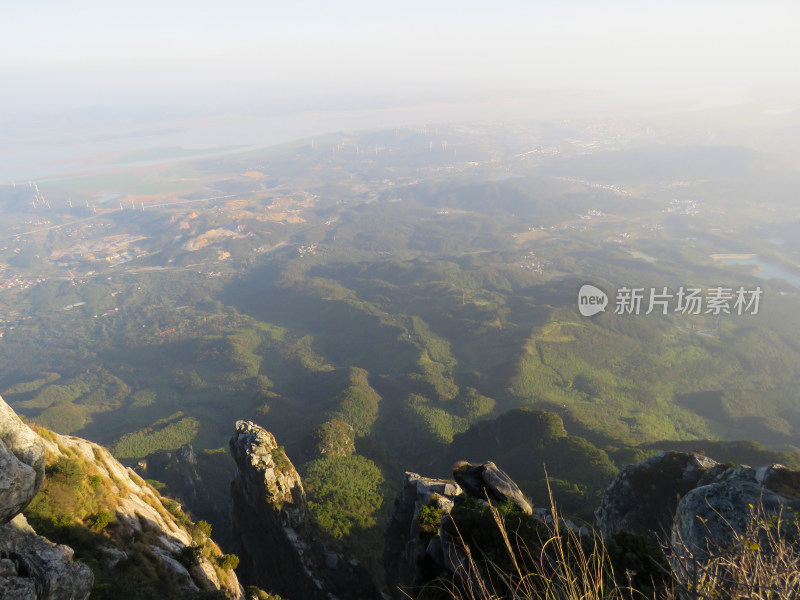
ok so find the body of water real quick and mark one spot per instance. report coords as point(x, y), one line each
point(766, 270)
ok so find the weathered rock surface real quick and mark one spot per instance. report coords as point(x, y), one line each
point(480, 480)
point(36, 568)
point(709, 517)
point(140, 509)
point(410, 555)
point(643, 497)
point(30, 565)
point(418, 547)
point(695, 504)
point(33, 567)
point(270, 518)
point(22, 458)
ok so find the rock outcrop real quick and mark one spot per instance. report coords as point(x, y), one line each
point(142, 511)
point(22, 459)
point(418, 546)
point(277, 549)
point(409, 556)
point(643, 497)
point(31, 567)
point(35, 568)
point(143, 522)
point(695, 505)
point(709, 517)
point(486, 480)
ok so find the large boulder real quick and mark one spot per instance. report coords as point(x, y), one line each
point(486, 480)
point(643, 497)
point(34, 568)
point(710, 517)
point(22, 460)
point(700, 507)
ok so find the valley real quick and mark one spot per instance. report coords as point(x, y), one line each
point(413, 291)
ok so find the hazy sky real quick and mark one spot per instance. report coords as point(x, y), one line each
point(56, 54)
point(83, 79)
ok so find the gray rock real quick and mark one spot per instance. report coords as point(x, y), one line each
point(331, 560)
point(270, 523)
point(14, 586)
point(710, 517)
point(422, 489)
point(187, 583)
point(22, 460)
point(444, 504)
point(413, 554)
point(7, 567)
point(643, 497)
point(17, 588)
point(41, 566)
point(482, 480)
point(434, 552)
point(112, 556)
point(268, 506)
point(696, 504)
point(405, 546)
point(779, 479)
point(47, 567)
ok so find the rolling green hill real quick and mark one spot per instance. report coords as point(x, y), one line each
point(415, 302)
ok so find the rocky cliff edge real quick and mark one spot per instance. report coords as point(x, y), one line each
point(135, 519)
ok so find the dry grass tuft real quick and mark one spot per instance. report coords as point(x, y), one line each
point(761, 563)
point(564, 565)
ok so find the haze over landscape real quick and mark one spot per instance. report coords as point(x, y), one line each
point(194, 75)
point(328, 251)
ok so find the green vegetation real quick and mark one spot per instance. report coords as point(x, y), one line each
point(200, 531)
point(280, 460)
point(31, 386)
point(532, 444)
point(436, 422)
point(334, 438)
point(77, 506)
point(358, 403)
point(475, 405)
point(413, 297)
point(168, 434)
point(254, 593)
point(344, 492)
point(429, 519)
point(68, 497)
point(228, 562)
